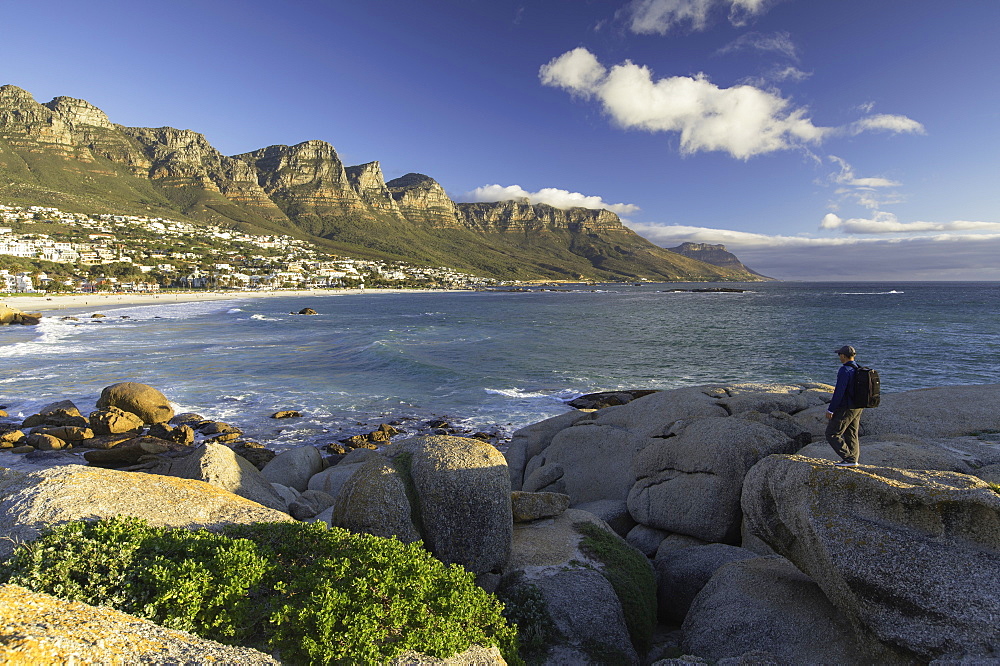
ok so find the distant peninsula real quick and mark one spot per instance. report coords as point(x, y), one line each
point(68, 154)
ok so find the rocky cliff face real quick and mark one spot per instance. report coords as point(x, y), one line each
point(421, 199)
point(307, 178)
point(68, 150)
point(717, 255)
point(518, 217)
point(26, 124)
point(368, 181)
point(183, 159)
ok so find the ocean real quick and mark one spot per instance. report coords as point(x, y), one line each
point(493, 361)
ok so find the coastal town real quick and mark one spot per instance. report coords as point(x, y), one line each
point(45, 249)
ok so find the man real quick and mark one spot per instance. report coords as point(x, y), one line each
point(843, 417)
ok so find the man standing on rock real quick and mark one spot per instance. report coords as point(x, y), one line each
point(843, 416)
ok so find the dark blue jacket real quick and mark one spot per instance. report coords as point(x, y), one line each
point(843, 395)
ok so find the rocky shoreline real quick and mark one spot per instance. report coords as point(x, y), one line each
point(696, 525)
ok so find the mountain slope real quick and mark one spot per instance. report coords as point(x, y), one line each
point(67, 153)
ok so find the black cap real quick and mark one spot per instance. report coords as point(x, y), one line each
point(846, 350)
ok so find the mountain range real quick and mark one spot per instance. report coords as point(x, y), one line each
point(68, 154)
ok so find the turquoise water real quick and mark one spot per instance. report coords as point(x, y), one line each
point(495, 360)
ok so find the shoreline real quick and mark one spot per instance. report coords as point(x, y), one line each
point(53, 302)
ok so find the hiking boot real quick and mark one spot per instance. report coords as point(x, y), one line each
point(845, 463)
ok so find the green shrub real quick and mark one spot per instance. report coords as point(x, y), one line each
point(631, 576)
point(524, 606)
point(317, 595)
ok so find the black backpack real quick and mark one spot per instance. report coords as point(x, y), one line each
point(866, 387)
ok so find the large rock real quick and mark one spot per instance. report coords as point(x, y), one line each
point(765, 604)
point(690, 481)
point(531, 440)
point(474, 656)
point(373, 500)
point(596, 461)
point(953, 454)
point(946, 411)
point(681, 573)
point(114, 421)
point(582, 606)
point(220, 466)
point(28, 502)
point(294, 467)
point(547, 557)
point(132, 452)
point(462, 489)
point(9, 315)
point(534, 506)
point(140, 399)
point(331, 479)
point(613, 512)
point(613, 453)
point(912, 558)
point(41, 629)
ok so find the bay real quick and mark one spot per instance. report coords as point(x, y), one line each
point(495, 361)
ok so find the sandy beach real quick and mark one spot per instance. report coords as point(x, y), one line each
point(48, 302)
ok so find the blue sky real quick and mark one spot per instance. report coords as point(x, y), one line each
point(817, 140)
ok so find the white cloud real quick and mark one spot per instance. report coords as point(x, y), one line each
point(578, 71)
point(888, 123)
point(870, 192)
point(779, 42)
point(647, 17)
point(742, 120)
point(847, 177)
point(547, 195)
point(790, 74)
point(887, 223)
point(942, 256)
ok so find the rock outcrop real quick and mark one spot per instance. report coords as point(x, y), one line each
point(29, 502)
point(143, 400)
point(765, 604)
point(462, 496)
point(9, 315)
point(677, 457)
point(717, 255)
point(547, 558)
point(911, 558)
point(41, 629)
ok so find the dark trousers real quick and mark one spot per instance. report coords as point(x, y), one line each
point(842, 433)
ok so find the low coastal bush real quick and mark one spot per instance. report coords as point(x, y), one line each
point(524, 606)
point(314, 594)
point(631, 576)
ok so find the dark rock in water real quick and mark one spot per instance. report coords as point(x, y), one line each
point(130, 452)
point(97, 315)
point(141, 399)
point(307, 311)
point(216, 428)
point(181, 434)
point(438, 423)
point(10, 436)
point(112, 421)
point(56, 418)
point(608, 398)
point(187, 418)
point(286, 414)
point(45, 442)
point(69, 319)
